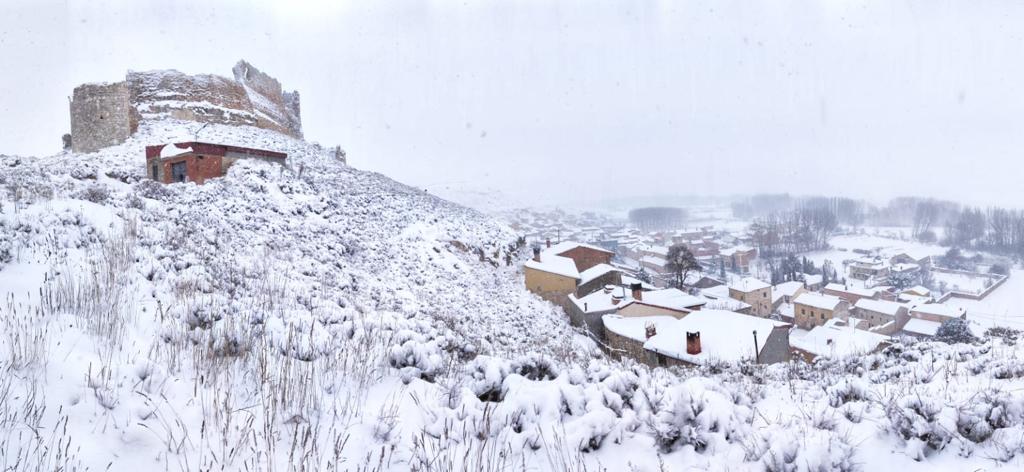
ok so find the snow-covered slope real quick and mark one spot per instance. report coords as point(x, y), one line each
point(317, 317)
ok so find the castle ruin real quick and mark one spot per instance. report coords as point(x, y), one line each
point(104, 115)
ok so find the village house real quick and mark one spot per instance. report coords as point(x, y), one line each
point(915, 257)
point(739, 258)
point(850, 293)
point(754, 292)
point(865, 268)
point(835, 339)
point(880, 316)
point(813, 282)
point(719, 299)
point(701, 338)
point(814, 309)
point(634, 302)
point(926, 319)
point(554, 272)
point(786, 292)
point(197, 162)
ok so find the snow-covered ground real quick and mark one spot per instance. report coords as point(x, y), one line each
point(317, 317)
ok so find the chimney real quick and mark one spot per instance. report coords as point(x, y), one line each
point(693, 343)
point(536, 254)
point(638, 294)
point(609, 288)
point(549, 242)
point(651, 330)
point(616, 299)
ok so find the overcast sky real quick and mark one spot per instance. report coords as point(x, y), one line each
point(583, 99)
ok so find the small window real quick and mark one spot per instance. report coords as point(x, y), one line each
point(156, 172)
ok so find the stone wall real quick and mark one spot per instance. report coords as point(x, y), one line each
point(101, 116)
point(104, 115)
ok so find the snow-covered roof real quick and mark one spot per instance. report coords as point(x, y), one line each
point(785, 289)
point(554, 264)
point(939, 309)
point(724, 336)
point(860, 292)
point(635, 327)
point(836, 338)
point(812, 279)
point(718, 292)
point(595, 272)
point(551, 259)
point(919, 290)
point(671, 298)
point(733, 250)
point(629, 280)
point(566, 246)
point(919, 326)
point(749, 284)
point(653, 260)
point(817, 300)
point(879, 306)
point(171, 150)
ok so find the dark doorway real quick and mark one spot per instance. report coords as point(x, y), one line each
point(178, 173)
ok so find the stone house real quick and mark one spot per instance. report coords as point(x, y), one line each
point(714, 336)
point(739, 258)
point(814, 309)
point(878, 313)
point(756, 293)
point(850, 293)
point(786, 292)
point(197, 162)
point(587, 311)
point(554, 272)
point(836, 338)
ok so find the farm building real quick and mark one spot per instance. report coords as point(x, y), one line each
point(197, 162)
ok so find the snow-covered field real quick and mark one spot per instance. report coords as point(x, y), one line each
point(844, 246)
point(317, 317)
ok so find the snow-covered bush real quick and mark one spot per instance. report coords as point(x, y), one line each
point(700, 413)
point(954, 331)
point(924, 423)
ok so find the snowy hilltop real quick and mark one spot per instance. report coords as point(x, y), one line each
point(311, 316)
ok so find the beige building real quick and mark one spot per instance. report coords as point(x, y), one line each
point(554, 272)
point(879, 315)
point(756, 293)
point(814, 309)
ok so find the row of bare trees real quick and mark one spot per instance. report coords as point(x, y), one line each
point(793, 232)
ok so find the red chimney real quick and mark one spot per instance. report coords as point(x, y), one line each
point(536, 254)
point(638, 293)
point(693, 343)
point(616, 299)
point(651, 330)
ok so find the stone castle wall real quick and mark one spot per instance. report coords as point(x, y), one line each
point(107, 114)
point(101, 116)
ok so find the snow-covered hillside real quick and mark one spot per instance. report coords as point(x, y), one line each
point(317, 317)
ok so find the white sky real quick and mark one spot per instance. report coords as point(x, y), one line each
point(582, 99)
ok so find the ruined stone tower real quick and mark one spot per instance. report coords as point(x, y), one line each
point(107, 114)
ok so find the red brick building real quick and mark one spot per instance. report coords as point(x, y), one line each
point(197, 162)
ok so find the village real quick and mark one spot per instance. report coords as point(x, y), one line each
point(703, 296)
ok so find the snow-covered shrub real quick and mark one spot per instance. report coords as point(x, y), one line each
point(6, 244)
point(979, 418)
point(797, 449)
point(699, 413)
point(955, 331)
point(847, 390)
point(924, 423)
point(415, 357)
point(95, 193)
